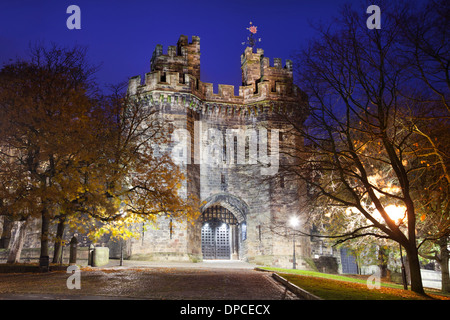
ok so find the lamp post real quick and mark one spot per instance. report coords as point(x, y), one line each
point(293, 222)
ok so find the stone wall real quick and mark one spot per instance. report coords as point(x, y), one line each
point(31, 255)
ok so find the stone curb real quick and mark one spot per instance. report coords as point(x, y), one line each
point(292, 287)
point(295, 289)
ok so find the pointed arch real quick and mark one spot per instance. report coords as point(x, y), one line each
point(234, 204)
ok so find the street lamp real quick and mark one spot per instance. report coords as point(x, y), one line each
point(396, 213)
point(293, 221)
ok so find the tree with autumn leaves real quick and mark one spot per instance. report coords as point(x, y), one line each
point(74, 157)
point(375, 156)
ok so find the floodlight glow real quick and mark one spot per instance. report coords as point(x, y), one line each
point(396, 213)
point(293, 221)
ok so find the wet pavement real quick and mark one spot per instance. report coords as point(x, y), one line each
point(208, 280)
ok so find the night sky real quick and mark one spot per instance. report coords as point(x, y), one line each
point(122, 34)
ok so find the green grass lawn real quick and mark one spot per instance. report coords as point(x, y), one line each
point(341, 287)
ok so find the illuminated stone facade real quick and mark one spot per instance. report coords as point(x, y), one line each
point(236, 173)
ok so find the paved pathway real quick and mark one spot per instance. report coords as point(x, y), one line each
point(209, 280)
point(205, 264)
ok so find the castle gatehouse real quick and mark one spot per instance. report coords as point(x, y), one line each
point(247, 201)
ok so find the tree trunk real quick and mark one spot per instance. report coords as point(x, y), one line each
point(17, 242)
point(383, 261)
point(5, 238)
point(414, 269)
point(57, 254)
point(444, 265)
point(44, 233)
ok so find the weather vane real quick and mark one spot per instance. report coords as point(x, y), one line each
point(251, 40)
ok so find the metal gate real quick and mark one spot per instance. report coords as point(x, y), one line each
point(216, 240)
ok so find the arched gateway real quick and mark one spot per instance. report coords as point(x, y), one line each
point(223, 229)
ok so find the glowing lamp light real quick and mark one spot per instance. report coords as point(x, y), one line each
point(293, 221)
point(396, 213)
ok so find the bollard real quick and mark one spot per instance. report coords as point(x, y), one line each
point(73, 251)
point(91, 255)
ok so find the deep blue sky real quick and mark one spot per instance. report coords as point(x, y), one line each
point(122, 34)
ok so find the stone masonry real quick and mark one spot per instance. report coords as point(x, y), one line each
point(227, 146)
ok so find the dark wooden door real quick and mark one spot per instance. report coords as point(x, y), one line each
point(216, 240)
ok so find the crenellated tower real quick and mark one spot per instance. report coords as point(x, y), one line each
point(263, 83)
point(184, 58)
point(240, 204)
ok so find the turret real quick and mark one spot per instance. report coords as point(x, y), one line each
point(183, 58)
point(257, 69)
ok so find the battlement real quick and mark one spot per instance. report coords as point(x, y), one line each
point(181, 49)
point(179, 71)
point(182, 58)
point(247, 94)
point(250, 56)
point(181, 82)
point(277, 64)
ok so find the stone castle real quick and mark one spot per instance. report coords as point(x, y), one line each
point(246, 200)
point(243, 196)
